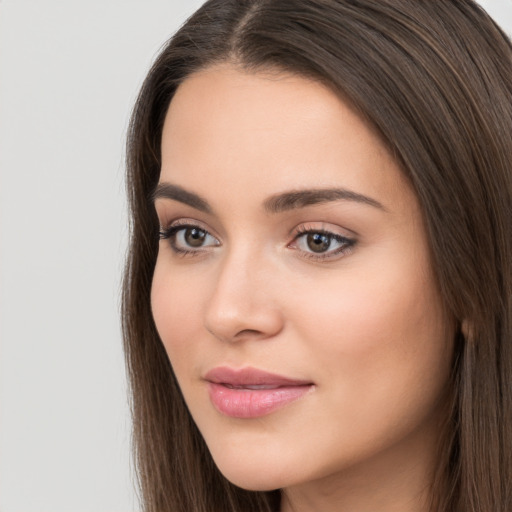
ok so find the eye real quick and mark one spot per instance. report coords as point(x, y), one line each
point(321, 244)
point(188, 238)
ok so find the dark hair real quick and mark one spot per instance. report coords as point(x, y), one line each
point(434, 78)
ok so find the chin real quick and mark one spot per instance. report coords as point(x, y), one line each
point(255, 480)
point(254, 475)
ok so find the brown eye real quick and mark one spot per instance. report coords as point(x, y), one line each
point(188, 239)
point(194, 237)
point(321, 245)
point(318, 242)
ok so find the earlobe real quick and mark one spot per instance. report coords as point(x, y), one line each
point(466, 328)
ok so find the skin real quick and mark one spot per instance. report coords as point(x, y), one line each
point(366, 325)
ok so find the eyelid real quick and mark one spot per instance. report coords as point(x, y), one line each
point(183, 221)
point(322, 226)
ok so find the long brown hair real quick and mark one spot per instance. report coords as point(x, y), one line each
point(434, 77)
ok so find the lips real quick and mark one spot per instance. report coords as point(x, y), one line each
point(252, 393)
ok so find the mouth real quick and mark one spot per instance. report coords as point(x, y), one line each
point(251, 393)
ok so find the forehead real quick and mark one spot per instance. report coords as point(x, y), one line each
point(269, 132)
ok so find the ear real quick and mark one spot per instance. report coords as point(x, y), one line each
point(466, 328)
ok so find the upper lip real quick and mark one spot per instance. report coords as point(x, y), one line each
point(250, 377)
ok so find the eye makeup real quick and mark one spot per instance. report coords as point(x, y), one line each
point(190, 238)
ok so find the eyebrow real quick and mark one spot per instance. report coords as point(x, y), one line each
point(177, 193)
point(278, 203)
point(301, 198)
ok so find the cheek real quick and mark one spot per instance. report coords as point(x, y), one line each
point(383, 337)
point(175, 308)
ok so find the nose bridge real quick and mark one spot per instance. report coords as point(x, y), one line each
point(242, 303)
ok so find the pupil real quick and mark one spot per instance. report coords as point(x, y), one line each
point(195, 237)
point(318, 242)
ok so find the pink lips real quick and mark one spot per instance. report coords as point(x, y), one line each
point(251, 393)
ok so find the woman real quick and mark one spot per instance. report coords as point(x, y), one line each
point(317, 302)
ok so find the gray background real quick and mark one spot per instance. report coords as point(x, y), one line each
point(69, 74)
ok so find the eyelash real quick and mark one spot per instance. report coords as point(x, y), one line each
point(345, 247)
point(172, 231)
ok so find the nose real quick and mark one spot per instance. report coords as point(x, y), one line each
point(244, 302)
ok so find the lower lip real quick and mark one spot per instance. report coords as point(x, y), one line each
point(253, 403)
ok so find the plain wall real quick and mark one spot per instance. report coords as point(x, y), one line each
point(69, 74)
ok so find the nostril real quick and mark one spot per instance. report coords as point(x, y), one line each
point(248, 332)
point(244, 334)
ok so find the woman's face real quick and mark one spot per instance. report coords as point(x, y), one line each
point(293, 289)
